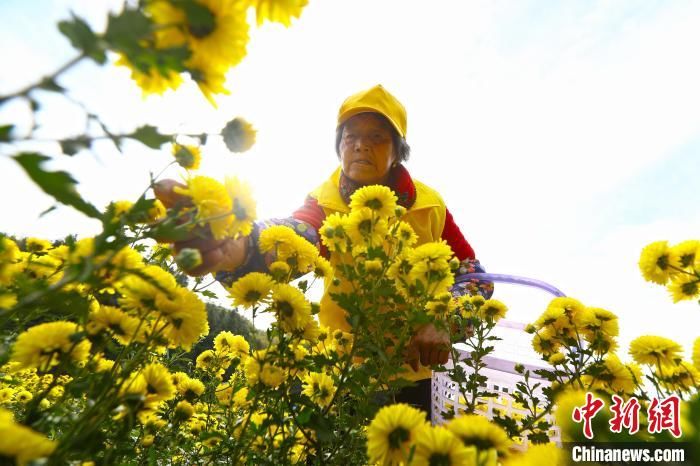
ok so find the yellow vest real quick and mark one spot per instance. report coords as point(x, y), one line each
point(426, 216)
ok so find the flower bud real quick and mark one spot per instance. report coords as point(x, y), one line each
point(188, 258)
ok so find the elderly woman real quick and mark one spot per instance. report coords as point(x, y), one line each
point(371, 145)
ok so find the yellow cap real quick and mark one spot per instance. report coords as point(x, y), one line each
point(375, 99)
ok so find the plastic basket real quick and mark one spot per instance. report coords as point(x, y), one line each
point(500, 371)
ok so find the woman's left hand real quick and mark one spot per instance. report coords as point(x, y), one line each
point(428, 345)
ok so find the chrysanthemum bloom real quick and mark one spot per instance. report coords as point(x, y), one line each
point(244, 207)
point(139, 294)
point(651, 349)
point(492, 309)
point(681, 377)
point(120, 325)
point(46, 345)
point(213, 204)
point(208, 361)
point(618, 377)
point(183, 410)
point(187, 156)
point(191, 388)
point(684, 255)
point(280, 271)
point(566, 402)
point(239, 135)
point(6, 395)
point(186, 317)
point(654, 262)
point(392, 433)
point(545, 342)
point(437, 445)
point(235, 345)
point(159, 383)
point(366, 228)
point(405, 234)
point(22, 443)
point(562, 313)
point(37, 245)
point(7, 300)
point(373, 266)
point(278, 11)
point(380, 199)
point(684, 287)
point(209, 76)
point(333, 232)
point(601, 320)
point(240, 398)
point(251, 289)
point(156, 212)
point(556, 359)
point(323, 268)
point(271, 375)
point(292, 309)
point(151, 81)
point(319, 388)
point(478, 431)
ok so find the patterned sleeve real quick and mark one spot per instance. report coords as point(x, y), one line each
point(255, 260)
point(472, 286)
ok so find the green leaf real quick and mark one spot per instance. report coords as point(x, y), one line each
point(208, 294)
point(49, 84)
point(73, 146)
point(60, 184)
point(126, 30)
point(83, 38)
point(149, 136)
point(5, 132)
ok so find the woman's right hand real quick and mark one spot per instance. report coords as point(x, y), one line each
point(224, 254)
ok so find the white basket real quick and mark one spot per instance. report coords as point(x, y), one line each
point(499, 371)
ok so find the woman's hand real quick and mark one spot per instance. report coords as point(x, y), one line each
point(224, 254)
point(428, 345)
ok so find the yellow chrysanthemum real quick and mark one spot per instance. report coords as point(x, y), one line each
point(289, 247)
point(186, 317)
point(244, 207)
point(696, 353)
point(183, 410)
point(45, 345)
point(210, 77)
point(159, 383)
point(556, 359)
point(405, 233)
point(654, 262)
point(478, 431)
point(437, 445)
point(681, 377)
point(251, 289)
point(7, 300)
point(138, 293)
point(239, 135)
point(271, 375)
point(156, 212)
point(37, 245)
point(545, 342)
point(278, 11)
point(212, 201)
point(601, 320)
point(366, 228)
point(276, 237)
point(319, 388)
point(392, 433)
point(191, 388)
point(323, 268)
point(684, 287)
point(21, 443)
point(618, 377)
point(684, 255)
point(492, 309)
point(292, 309)
point(150, 80)
point(122, 326)
point(234, 345)
point(187, 156)
point(651, 349)
point(334, 232)
point(380, 199)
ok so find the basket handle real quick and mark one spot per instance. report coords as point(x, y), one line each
point(514, 279)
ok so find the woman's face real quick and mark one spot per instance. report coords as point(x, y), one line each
point(366, 149)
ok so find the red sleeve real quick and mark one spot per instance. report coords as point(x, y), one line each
point(454, 237)
point(310, 213)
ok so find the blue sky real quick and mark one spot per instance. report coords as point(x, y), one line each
point(564, 136)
